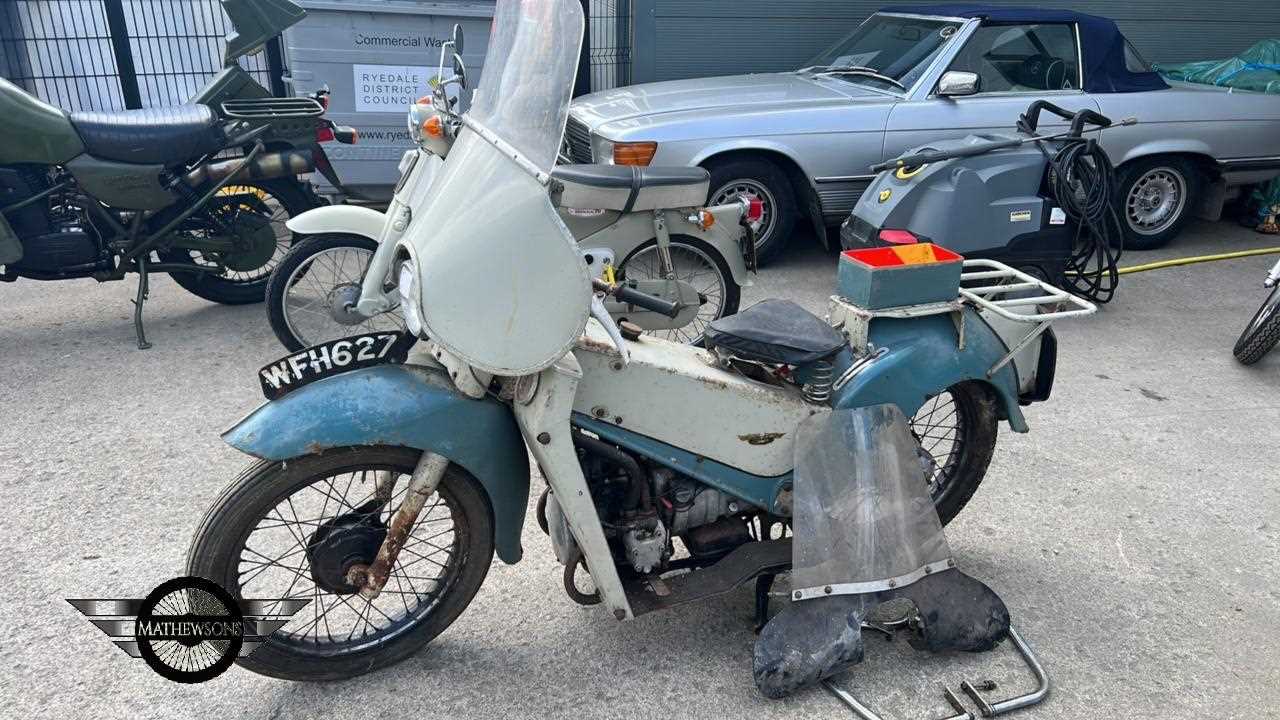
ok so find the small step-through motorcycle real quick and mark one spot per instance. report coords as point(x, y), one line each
point(393, 466)
point(103, 194)
point(1263, 331)
point(646, 223)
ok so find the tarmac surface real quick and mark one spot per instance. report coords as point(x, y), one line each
point(1134, 533)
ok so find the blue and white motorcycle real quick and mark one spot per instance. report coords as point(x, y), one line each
point(392, 466)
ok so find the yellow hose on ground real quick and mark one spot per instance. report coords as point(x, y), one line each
point(1193, 260)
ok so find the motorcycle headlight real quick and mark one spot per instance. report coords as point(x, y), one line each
point(410, 296)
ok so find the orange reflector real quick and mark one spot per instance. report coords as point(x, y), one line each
point(433, 126)
point(706, 219)
point(634, 153)
point(424, 100)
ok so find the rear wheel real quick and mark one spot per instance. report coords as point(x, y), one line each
point(254, 213)
point(310, 291)
point(1262, 333)
point(734, 178)
point(1157, 198)
point(293, 530)
point(957, 430)
point(702, 267)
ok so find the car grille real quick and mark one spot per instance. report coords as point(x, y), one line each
point(577, 140)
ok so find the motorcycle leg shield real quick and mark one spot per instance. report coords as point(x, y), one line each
point(866, 532)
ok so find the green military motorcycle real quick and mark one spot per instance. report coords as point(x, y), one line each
point(201, 191)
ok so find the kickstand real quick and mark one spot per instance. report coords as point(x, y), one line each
point(764, 584)
point(143, 291)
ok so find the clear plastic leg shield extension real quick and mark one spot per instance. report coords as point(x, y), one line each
point(866, 533)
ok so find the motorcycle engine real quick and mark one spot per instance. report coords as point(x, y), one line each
point(52, 232)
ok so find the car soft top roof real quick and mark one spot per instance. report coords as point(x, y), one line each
point(1101, 42)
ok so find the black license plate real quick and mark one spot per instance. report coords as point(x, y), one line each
point(331, 358)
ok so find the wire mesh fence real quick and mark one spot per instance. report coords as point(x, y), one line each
point(609, 43)
point(115, 54)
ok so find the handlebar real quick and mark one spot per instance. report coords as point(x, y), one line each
point(1029, 121)
point(631, 296)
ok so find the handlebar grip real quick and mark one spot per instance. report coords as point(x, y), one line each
point(644, 300)
point(1091, 117)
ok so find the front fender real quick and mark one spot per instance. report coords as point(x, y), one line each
point(352, 219)
point(401, 405)
point(922, 360)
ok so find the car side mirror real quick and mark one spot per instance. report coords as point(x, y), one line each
point(957, 83)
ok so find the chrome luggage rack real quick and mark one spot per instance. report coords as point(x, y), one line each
point(988, 286)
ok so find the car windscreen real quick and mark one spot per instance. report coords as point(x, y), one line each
point(892, 46)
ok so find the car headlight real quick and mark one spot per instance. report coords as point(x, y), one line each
point(410, 296)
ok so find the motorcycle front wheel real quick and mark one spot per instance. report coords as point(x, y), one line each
point(292, 530)
point(309, 289)
point(697, 263)
point(1262, 333)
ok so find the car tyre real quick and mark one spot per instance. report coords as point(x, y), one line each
point(1155, 198)
point(733, 177)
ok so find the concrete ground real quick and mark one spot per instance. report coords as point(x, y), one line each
point(1134, 533)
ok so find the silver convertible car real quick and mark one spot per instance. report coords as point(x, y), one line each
point(803, 140)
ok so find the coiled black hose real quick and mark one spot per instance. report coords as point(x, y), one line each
point(1083, 185)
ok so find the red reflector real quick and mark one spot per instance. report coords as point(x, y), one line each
point(324, 134)
point(755, 209)
point(898, 237)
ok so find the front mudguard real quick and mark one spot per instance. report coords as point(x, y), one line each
point(402, 405)
point(352, 219)
point(922, 358)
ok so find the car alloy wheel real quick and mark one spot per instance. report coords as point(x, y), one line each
point(1156, 201)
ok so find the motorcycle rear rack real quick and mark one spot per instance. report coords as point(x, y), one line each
point(272, 108)
point(986, 285)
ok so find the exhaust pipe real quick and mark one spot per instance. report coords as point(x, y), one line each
point(264, 167)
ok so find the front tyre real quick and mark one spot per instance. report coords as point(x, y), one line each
point(292, 530)
point(1262, 333)
point(310, 290)
point(957, 430)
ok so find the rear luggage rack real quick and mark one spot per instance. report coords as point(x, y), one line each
point(987, 286)
point(272, 108)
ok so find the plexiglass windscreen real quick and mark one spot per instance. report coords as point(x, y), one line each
point(528, 75)
point(862, 511)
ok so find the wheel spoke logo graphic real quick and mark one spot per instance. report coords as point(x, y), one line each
point(189, 629)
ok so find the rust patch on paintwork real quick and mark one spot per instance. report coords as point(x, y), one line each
point(760, 438)
point(590, 344)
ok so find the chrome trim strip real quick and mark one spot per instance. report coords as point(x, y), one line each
point(843, 178)
point(870, 586)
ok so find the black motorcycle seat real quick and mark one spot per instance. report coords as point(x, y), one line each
point(626, 176)
point(775, 331)
point(151, 136)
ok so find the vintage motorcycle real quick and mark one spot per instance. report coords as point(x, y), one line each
point(648, 223)
point(102, 194)
point(393, 466)
point(1263, 331)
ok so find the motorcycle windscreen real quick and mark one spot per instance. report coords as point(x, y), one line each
point(862, 517)
point(503, 285)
